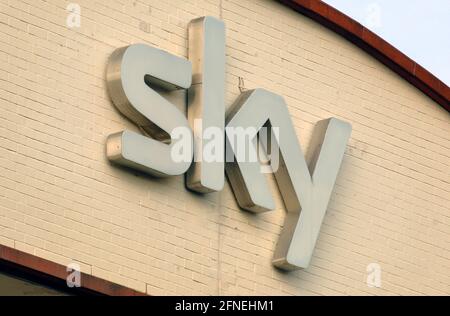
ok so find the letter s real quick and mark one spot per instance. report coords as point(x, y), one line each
point(131, 72)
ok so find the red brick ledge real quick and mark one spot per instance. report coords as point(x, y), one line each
point(365, 39)
point(49, 270)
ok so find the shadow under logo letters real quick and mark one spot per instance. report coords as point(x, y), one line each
point(306, 187)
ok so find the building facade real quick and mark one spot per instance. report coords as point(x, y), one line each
point(62, 201)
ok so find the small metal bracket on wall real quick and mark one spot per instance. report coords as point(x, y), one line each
point(242, 85)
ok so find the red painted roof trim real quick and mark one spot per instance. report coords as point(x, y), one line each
point(365, 39)
point(330, 18)
point(48, 270)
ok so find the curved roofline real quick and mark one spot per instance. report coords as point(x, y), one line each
point(368, 41)
point(50, 273)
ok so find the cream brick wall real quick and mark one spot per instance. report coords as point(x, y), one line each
point(60, 199)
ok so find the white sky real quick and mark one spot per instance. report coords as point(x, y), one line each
point(418, 28)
